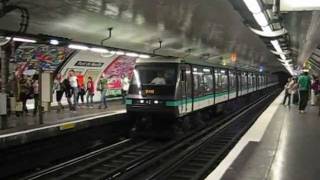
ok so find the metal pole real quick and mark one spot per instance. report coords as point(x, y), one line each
point(40, 96)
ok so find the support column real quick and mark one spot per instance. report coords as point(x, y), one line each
point(4, 57)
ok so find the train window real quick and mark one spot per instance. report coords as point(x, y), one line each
point(151, 74)
point(244, 81)
point(207, 80)
point(232, 81)
point(197, 81)
point(221, 80)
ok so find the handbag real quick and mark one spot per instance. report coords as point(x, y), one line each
point(19, 106)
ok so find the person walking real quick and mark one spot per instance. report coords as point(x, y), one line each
point(316, 88)
point(74, 86)
point(124, 87)
point(287, 95)
point(304, 82)
point(103, 88)
point(58, 87)
point(90, 92)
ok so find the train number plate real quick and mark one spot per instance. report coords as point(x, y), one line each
point(149, 91)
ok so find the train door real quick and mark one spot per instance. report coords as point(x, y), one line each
point(185, 89)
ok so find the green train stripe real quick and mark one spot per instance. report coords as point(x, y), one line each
point(189, 100)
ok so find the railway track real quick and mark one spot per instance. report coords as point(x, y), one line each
point(190, 157)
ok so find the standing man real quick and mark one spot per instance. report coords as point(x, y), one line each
point(124, 87)
point(103, 88)
point(304, 82)
point(74, 86)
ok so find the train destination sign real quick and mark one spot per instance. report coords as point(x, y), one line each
point(88, 64)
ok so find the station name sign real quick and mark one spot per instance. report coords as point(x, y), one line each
point(88, 64)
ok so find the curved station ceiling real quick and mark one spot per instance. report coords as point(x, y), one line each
point(211, 28)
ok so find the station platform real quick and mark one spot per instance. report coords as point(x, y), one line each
point(26, 128)
point(283, 144)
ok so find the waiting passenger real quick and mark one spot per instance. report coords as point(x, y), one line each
point(287, 94)
point(314, 80)
point(74, 85)
point(103, 88)
point(90, 92)
point(24, 88)
point(304, 88)
point(68, 91)
point(81, 90)
point(35, 86)
point(124, 87)
point(294, 91)
point(159, 80)
point(59, 89)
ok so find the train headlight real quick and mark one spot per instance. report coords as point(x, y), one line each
point(141, 101)
point(156, 102)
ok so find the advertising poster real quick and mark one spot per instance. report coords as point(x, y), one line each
point(116, 70)
point(28, 57)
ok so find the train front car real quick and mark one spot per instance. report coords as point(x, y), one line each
point(153, 85)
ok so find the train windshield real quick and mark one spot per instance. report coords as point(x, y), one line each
point(155, 74)
point(154, 79)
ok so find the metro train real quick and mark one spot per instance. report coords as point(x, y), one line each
point(167, 89)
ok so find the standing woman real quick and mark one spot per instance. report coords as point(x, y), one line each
point(58, 87)
point(90, 92)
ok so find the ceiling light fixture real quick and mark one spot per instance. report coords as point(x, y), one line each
point(54, 42)
point(22, 39)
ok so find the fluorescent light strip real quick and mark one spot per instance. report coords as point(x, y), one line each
point(99, 50)
point(276, 46)
point(132, 54)
point(261, 19)
point(266, 29)
point(120, 53)
point(78, 46)
point(253, 5)
point(144, 56)
point(22, 39)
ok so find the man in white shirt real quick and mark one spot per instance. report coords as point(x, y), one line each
point(159, 80)
point(74, 85)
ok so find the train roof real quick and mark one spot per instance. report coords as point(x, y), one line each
point(194, 61)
